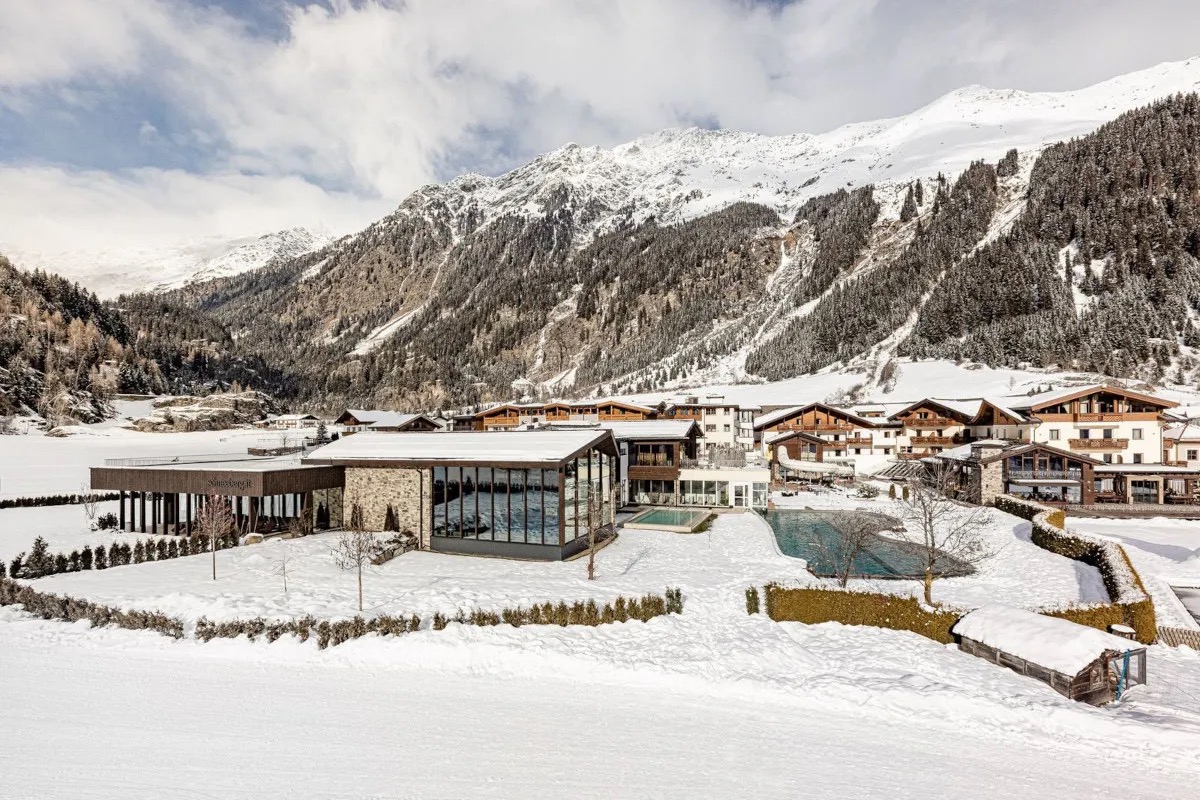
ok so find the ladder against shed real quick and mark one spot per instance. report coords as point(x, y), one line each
point(1078, 662)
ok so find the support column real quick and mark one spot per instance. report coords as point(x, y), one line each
point(1161, 487)
point(142, 510)
point(121, 506)
point(188, 502)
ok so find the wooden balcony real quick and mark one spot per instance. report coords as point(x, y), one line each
point(641, 473)
point(858, 441)
point(930, 422)
point(832, 427)
point(1098, 444)
point(1102, 416)
point(941, 441)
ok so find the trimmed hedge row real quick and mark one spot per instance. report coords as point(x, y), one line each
point(70, 609)
point(815, 604)
point(40, 563)
point(329, 633)
point(1124, 585)
point(57, 500)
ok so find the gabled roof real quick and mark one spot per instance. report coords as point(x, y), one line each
point(1021, 449)
point(532, 448)
point(1040, 400)
point(998, 406)
point(766, 420)
point(963, 409)
point(381, 419)
point(1183, 432)
point(775, 438)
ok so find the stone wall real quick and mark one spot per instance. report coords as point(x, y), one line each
point(991, 482)
point(375, 488)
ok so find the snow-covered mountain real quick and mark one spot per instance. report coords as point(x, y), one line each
point(681, 174)
point(697, 256)
point(159, 267)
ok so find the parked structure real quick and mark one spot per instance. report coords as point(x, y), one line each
point(1078, 662)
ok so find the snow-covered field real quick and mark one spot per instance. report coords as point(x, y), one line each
point(470, 713)
point(65, 528)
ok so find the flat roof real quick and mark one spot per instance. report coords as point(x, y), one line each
point(228, 475)
point(532, 448)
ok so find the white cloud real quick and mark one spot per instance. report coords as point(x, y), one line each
point(374, 98)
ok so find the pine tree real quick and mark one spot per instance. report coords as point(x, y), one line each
point(909, 210)
point(139, 552)
point(86, 558)
point(40, 562)
point(919, 193)
point(100, 559)
point(16, 566)
point(61, 564)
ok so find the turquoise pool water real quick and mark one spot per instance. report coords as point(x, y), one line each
point(675, 517)
point(814, 537)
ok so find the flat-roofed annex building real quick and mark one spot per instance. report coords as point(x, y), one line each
point(163, 494)
point(520, 494)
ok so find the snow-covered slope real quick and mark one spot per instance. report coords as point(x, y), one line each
point(157, 267)
point(680, 174)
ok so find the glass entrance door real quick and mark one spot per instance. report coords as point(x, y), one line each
point(741, 495)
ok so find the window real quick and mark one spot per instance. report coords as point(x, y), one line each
point(710, 428)
point(1193, 455)
point(1137, 458)
point(1084, 433)
point(1137, 433)
point(1108, 433)
point(1054, 435)
point(727, 428)
point(1107, 457)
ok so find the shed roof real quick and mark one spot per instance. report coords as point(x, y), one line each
point(463, 447)
point(1060, 645)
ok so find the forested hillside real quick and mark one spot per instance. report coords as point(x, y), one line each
point(64, 354)
point(1085, 256)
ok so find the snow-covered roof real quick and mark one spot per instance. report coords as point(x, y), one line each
point(783, 413)
point(543, 446)
point(651, 429)
point(1184, 431)
point(290, 417)
point(381, 419)
point(771, 438)
point(1003, 407)
point(1057, 644)
point(1033, 401)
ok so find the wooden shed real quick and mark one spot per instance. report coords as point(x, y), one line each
point(1078, 662)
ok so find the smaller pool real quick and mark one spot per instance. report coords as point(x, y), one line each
point(669, 519)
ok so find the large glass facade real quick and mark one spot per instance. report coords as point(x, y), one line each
point(522, 505)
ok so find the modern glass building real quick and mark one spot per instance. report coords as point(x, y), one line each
point(526, 494)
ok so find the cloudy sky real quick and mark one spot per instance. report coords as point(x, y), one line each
point(124, 121)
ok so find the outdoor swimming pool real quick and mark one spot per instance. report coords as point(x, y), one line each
point(814, 536)
point(669, 519)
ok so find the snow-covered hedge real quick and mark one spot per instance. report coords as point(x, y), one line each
point(71, 609)
point(1124, 585)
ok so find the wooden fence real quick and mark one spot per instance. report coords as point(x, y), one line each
point(1176, 637)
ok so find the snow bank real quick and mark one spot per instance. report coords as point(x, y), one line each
point(1057, 644)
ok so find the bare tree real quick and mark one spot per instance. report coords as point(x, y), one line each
point(944, 534)
point(855, 534)
point(285, 557)
point(355, 547)
point(91, 502)
point(214, 521)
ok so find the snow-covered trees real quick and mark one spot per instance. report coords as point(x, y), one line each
point(214, 522)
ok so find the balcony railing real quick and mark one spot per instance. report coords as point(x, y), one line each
point(1098, 444)
point(939, 440)
point(1045, 474)
point(1100, 416)
point(858, 441)
point(930, 422)
point(653, 460)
